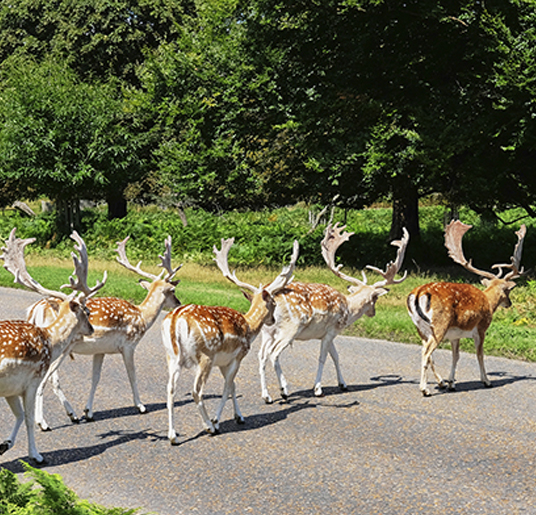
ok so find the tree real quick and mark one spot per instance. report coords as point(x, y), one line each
point(61, 137)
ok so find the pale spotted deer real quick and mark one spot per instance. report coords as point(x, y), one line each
point(443, 310)
point(26, 350)
point(119, 326)
point(306, 311)
point(207, 336)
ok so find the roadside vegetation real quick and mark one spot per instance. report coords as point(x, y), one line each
point(263, 243)
point(45, 494)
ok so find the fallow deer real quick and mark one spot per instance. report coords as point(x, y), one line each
point(207, 336)
point(443, 310)
point(306, 311)
point(26, 350)
point(119, 326)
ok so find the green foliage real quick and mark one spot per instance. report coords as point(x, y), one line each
point(45, 494)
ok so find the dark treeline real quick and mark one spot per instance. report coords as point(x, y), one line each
point(232, 104)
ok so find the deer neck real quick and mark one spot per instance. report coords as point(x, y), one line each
point(359, 302)
point(256, 316)
point(152, 304)
point(494, 293)
point(61, 333)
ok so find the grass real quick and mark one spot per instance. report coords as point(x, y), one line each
point(512, 333)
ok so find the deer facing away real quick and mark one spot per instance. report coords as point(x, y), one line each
point(443, 310)
point(26, 350)
point(317, 311)
point(119, 326)
point(208, 336)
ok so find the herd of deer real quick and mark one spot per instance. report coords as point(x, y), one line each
point(283, 311)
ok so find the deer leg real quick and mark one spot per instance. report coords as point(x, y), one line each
point(229, 373)
point(455, 344)
point(174, 373)
point(428, 348)
point(55, 378)
point(15, 404)
point(324, 347)
point(28, 400)
point(95, 378)
point(479, 346)
point(280, 345)
point(203, 371)
point(128, 360)
point(264, 352)
point(335, 357)
point(52, 374)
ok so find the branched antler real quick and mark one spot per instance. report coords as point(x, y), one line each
point(166, 263)
point(81, 270)
point(334, 237)
point(454, 233)
point(222, 262)
point(284, 278)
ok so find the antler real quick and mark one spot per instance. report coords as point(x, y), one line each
point(334, 237)
point(516, 257)
point(123, 260)
point(393, 267)
point(285, 277)
point(221, 261)
point(14, 263)
point(166, 262)
point(81, 270)
point(453, 241)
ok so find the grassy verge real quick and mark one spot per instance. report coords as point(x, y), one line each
point(512, 333)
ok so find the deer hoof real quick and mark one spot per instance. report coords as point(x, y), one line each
point(38, 460)
point(426, 393)
point(488, 385)
point(239, 420)
point(4, 446)
point(74, 418)
point(142, 409)
point(343, 387)
point(44, 427)
point(268, 400)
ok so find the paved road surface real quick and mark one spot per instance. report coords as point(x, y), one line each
point(379, 448)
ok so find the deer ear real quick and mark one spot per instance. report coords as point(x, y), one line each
point(485, 282)
point(266, 296)
point(144, 284)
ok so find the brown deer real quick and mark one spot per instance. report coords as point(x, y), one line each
point(26, 350)
point(307, 311)
point(452, 311)
point(119, 326)
point(207, 336)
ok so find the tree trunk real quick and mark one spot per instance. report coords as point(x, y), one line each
point(117, 206)
point(406, 214)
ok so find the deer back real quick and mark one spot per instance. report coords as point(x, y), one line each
point(317, 306)
point(441, 306)
point(22, 343)
point(206, 330)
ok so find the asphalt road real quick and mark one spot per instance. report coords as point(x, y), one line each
point(379, 448)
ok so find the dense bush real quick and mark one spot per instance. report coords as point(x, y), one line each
point(45, 494)
point(265, 237)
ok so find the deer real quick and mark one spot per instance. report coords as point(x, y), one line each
point(27, 350)
point(306, 311)
point(444, 310)
point(119, 326)
point(208, 336)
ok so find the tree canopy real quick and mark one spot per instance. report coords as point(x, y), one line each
point(231, 104)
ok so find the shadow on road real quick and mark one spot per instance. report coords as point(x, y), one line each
point(73, 455)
